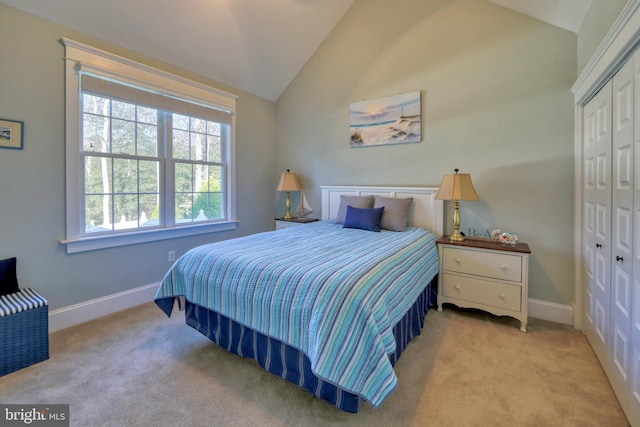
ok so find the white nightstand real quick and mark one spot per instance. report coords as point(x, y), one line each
point(486, 275)
point(293, 222)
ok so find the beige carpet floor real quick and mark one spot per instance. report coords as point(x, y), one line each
point(468, 368)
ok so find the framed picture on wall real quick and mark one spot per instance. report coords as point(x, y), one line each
point(11, 134)
point(391, 120)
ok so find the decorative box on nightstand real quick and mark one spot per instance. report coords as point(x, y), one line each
point(486, 275)
point(293, 222)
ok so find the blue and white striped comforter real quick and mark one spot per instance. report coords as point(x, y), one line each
point(333, 293)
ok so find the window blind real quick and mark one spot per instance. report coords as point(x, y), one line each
point(102, 87)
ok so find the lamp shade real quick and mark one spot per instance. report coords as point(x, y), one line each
point(288, 182)
point(457, 186)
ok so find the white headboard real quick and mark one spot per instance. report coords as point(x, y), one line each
point(425, 210)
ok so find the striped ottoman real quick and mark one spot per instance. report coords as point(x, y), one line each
point(24, 330)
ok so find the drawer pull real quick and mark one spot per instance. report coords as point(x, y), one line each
point(457, 287)
point(619, 258)
point(503, 267)
point(457, 260)
point(501, 296)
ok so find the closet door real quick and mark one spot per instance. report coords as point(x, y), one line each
point(635, 318)
point(622, 222)
point(597, 219)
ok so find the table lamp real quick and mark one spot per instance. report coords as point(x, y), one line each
point(456, 187)
point(288, 182)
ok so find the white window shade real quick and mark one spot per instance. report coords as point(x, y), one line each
point(104, 87)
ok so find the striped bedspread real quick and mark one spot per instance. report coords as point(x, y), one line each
point(331, 292)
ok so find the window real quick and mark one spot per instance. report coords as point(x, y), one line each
point(121, 165)
point(197, 147)
point(149, 154)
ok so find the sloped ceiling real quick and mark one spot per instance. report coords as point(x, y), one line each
point(258, 46)
point(255, 45)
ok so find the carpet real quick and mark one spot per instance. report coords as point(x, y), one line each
point(468, 368)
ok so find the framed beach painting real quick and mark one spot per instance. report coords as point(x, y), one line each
point(11, 134)
point(391, 120)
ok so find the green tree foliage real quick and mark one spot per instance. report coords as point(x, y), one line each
point(209, 200)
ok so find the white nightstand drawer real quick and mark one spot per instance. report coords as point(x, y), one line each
point(480, 263)
point(500, 295)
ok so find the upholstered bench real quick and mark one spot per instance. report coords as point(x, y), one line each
point(24, 330)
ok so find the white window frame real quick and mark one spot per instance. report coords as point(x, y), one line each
point(80, 57)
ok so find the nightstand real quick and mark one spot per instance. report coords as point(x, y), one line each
point(486, 275)
point(293, 222)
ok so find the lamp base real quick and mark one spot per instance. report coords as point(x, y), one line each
point(287, 204)
point(456, 237)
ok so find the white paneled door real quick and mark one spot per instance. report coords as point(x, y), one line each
point(611, 234)
point(635, 294)
point(622, 221)
point(597, 218)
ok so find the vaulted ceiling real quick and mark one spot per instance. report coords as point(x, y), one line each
point(258, 46)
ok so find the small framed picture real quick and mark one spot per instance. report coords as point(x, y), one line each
point(11, 134)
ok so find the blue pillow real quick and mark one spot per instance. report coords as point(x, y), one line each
point(8, 277)
point(365, 219)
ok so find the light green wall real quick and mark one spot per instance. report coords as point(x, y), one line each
point(601, 17)
point(496, 104)
point(32, 183)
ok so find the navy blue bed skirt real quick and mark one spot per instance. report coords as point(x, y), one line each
point(288, 362)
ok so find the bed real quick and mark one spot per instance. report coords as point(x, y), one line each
point(329, 306)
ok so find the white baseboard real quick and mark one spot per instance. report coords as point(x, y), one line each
point(79, 313)
point(550, 311)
